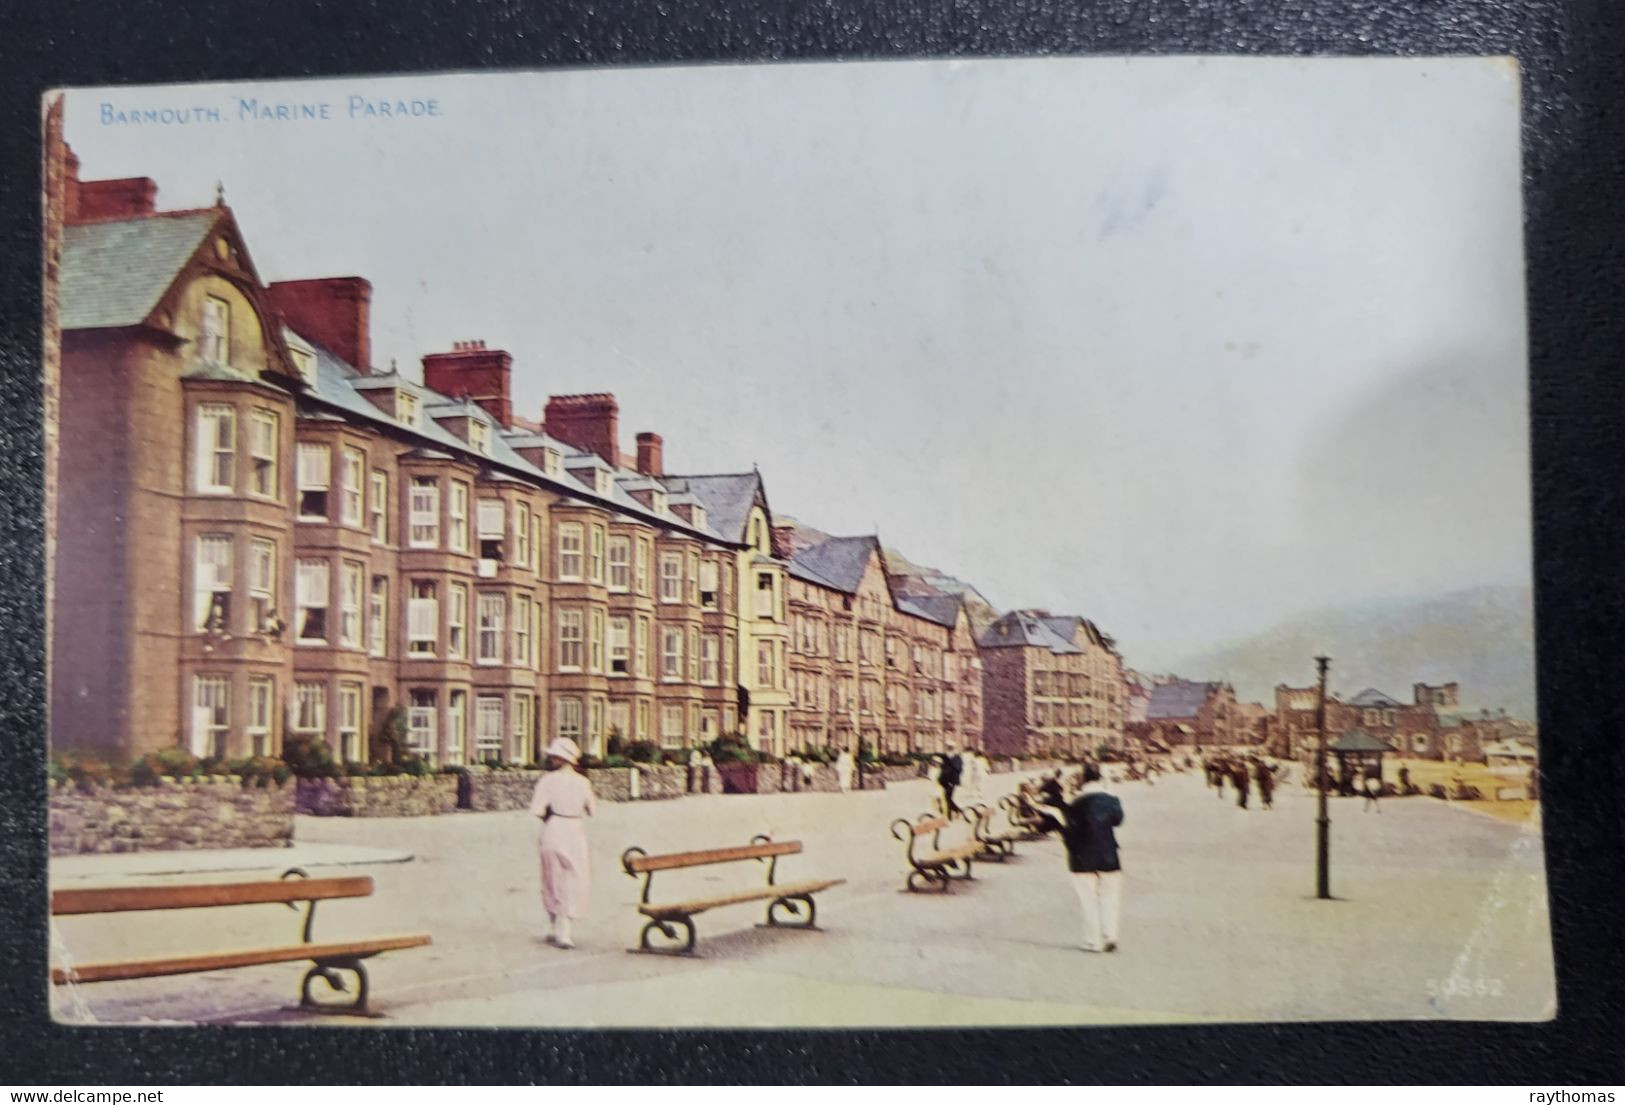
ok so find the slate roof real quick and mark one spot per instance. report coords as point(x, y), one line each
point(727, 498)
point(1373, 697)
point(838, 562)
point(942, 609)
point(1020, 629)
point(334, 384)
point(1177, 699)
point(114, 273)
point(1358, 740)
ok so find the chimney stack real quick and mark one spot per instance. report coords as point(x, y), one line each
point(92, 200)
point(651, 461)
point(334, 310)
point(784, 540)
point(471, 371)
point(590, 422)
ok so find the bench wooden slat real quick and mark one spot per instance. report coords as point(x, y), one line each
point(118, 899)
point(700, 905)
point(931, 826)
point(964, 850)
point(219, 961)
point(642, 864)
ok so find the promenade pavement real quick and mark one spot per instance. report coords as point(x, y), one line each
point(1440, 913)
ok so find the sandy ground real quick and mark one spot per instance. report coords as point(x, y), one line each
point(1440, 912)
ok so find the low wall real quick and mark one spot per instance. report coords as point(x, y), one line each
point(379, 796)
point(212, 812)
point(500, 790)
point(662, 781)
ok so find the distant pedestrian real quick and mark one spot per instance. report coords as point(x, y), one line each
point(563, 799)
point(1243, 785)
point(1266, 786)
point(1373, 791)
point(950, 770)
point(1088, 824)
point(1404, 779)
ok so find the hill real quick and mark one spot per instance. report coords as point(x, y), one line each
point(1482, 638)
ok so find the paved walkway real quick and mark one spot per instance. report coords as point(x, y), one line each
point(1219, 923)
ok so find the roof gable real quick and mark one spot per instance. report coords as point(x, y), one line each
point(1178, 699)
point(116, 273)
point(840, 562)
point(1373, 697)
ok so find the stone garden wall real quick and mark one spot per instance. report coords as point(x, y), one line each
point(211, 812)
point(379, 796)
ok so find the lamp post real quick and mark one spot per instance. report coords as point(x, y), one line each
point(1323, 822)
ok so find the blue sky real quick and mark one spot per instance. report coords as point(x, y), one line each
point(1190, 346)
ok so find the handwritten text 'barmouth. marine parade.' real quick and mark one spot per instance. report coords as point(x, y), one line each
point(250, 109)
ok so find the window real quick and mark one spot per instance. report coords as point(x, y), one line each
point(378, 617)
point(595, 641)
point(671, 655)
point(595, 562)
point(211, 584)
point(524, 745)
point(216, 448)
point(550, 461)
point(521, 632)
point(422, 723)
point(379, 504)
point(671, 577)
point(456, 726)
point(764, 665)
point(262, 452)
point(620, 645)
point(764, 728)
point(422, 619)
point(350, 749)
point(406, 408)
point(352, 464)
point(693, 654)
point(570, 551)
point(640, 660)
point(521, 535)
point(350, 583)
point(261, 694)
point(709, 648)
point(492, 610)
point(693, 578)
point(570, 640)
point(620, 564)
point(214, 331)
point(310, 709)
point(487, 728)
point(1419, 741)
point(671, 725)
point(595, 724)
point(424, 531)
point(620, 719)
point(312, 599)
point(457, 518)
point(315, 475)
point(211, 715)
point(765, 606)
point(457, 622)
point(479, 436)
point(493, 523)
point(642, 566)
point(567, 718)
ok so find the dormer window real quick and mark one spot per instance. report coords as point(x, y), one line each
point(602, 481)
point(304, 363)
point(406, 408)
point(550, 461)
point(214, 331)
point(696, 515)
point(657, 501)
point(479, 437)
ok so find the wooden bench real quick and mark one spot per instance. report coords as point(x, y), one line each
point(997, 844)
point(294, 886)
point(664, 916)
point(935, 867)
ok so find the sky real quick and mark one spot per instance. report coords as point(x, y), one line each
point(1190, 346)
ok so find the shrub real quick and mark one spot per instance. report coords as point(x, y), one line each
point(732, 748)
point(87, 769)
point(310, 758)
point(616, 745)
point(676, 756)
point(643, 752)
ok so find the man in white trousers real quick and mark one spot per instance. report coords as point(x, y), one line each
point(1088, 824)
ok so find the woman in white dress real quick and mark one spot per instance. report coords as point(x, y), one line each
point(563, 800)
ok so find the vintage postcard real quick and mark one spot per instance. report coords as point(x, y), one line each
point(1009, 542)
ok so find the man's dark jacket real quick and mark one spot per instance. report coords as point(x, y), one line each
point(952, 766)
point(1090, 843)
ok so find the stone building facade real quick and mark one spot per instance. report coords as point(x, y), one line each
point(1183, 714)
point(1053, 686)
point(1427, 727)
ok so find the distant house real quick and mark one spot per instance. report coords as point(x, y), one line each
point(1420, 729)
point(1180, 713)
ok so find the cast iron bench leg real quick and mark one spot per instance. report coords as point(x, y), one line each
point(665, 927)
point(328, 971)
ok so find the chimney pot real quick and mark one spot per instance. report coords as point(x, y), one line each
point(470, 371)
point(590, 422)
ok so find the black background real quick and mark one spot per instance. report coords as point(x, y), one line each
point(1574, 136)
